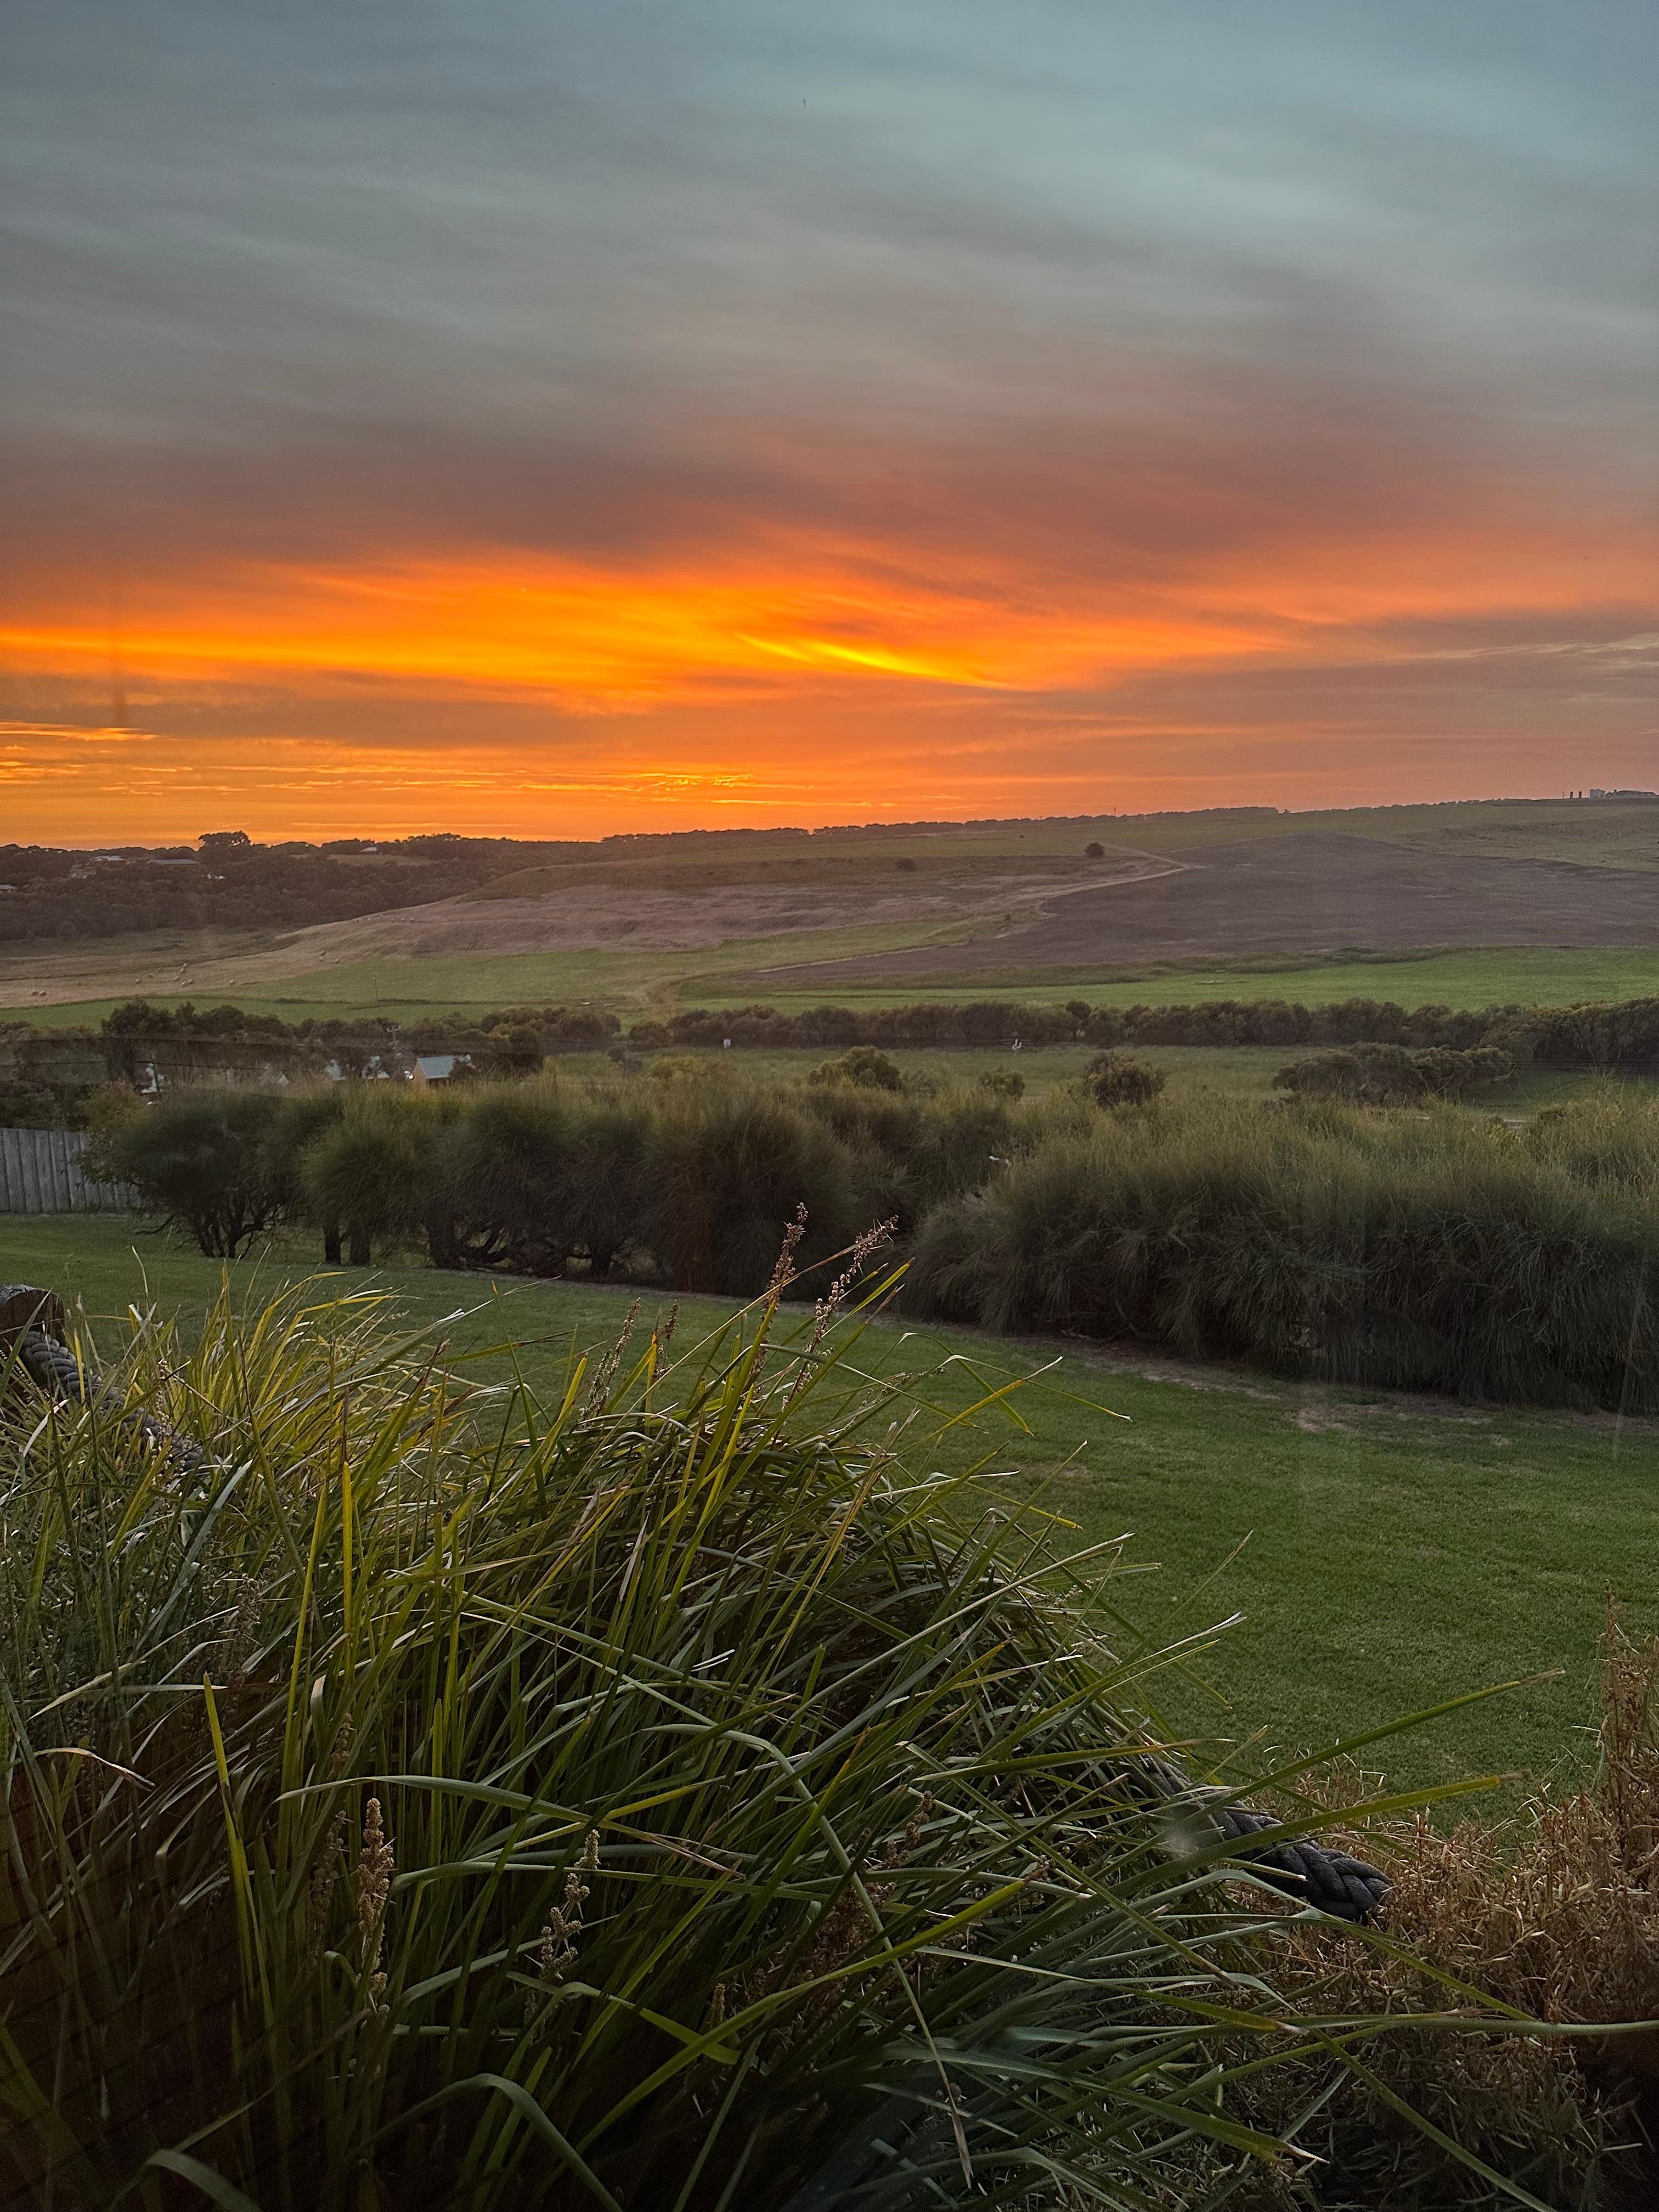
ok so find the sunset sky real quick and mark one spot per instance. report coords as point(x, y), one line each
point(519, 417)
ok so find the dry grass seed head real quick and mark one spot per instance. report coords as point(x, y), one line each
point(376, 1864)
point(606, 1373)
point(556, 1948)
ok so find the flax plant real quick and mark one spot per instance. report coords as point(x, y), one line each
point(664, 1796)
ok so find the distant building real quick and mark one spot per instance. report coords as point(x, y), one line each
point(373, 1070)
point(434, 1067)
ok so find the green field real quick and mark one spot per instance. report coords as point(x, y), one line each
point(1386, 1552)
point(634, 984)
point(1248, 1069)
point(1545, 975)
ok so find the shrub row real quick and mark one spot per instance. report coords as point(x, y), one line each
point(1428, 1250)
point(48, 1076)
point(1394, 1075)
point(1433, 1251)
point(1624, 1035)
point(694, 1183)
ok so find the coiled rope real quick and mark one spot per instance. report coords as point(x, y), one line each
point(33, 1327)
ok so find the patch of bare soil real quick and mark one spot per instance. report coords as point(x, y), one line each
point(597, 915)
point(1318, 893)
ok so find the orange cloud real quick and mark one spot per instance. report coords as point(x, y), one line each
point(781, 609)
point(808, 675)
point(613, 639)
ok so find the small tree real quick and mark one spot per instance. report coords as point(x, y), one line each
point(301, 1122)
point(111, 1110)
point(612, 1179)
point(1450, 1074)
point(1114, 1079)
point(736, 1164)
point(514, 1050)
point(1094, 850)
point(511, 1159)
point(371, 1172)
point(200, 1160)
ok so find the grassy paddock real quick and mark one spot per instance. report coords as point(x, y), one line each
point(1247, 1070)
point(1548, 975)
point(634, 984)
point(1385, 1552)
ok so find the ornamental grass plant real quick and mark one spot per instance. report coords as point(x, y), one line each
point(665, 1796)
point(1427, 1250)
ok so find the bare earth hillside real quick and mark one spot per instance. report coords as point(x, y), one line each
point(618, 908)
point(1313, 893)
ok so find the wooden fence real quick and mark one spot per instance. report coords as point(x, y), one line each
point(41, 1173)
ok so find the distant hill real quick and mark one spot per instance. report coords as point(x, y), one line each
point(227, 883)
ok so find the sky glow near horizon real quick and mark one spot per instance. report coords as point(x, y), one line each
point(538, 419)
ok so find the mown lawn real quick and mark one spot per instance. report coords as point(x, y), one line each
point(1386, 1554)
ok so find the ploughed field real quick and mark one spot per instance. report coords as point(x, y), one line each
point(1386, 1552)
point(1318, 892)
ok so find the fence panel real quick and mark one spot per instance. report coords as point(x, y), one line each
point(41, 1173)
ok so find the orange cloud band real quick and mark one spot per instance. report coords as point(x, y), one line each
point(785, 675)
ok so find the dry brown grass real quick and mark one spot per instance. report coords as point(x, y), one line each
point(1553, 1917)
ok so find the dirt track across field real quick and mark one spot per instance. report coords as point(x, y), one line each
point(1309, 894)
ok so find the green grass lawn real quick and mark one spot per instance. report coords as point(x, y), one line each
point(1385, 1552)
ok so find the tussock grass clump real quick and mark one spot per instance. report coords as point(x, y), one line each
point(1424, 1251)
point(737, 1162)
point(656, 1798)
point(630, 1800)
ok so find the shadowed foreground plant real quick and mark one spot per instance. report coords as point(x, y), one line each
point(639, 1801)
